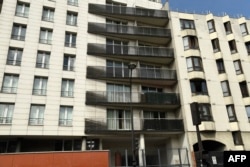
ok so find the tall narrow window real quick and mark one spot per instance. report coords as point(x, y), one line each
point(225, 88)
point(71, 18)
point(42, 59)
point(194, 64)
point(248, 112)
point(232, 46)
point(237, 138)
point(216, 45)
point(220, 66)
point(248, 47)
point(6, 113)
point(198, 87)
point(243, 28)
point(117, 47)
point(22, 9)
point(69, 62)
point(45, 36)
point(36, 114)
point(187, 24)
point(238, 67)
point(65, 116)
point(10, 82)
point(190, 42)
point(211, 26)
point(228, 28)
point(70, 39)
point(205, 112)
point(231, 113)
point(15, 56)
point(18, 32)
point(118, 93)
point(48, 14)
point(244, 89)
point(118, 119)
point(117, 69)
point(40, 85)
point(67, 89)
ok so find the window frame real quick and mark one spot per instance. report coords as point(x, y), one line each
point(42, 86)
point(220, 66)
point(237, 138)
point(49, 16)
point(39, 110)
point(45, 57)
point(16, 53)
point(231, 113)
point(225, 88)
point(187, 24)
point(211, 26)
point(238, 67)
point(47, 33)
point(24, 9)
point(73, 16)
point(6, 113)
point(228, 27)
point(194, 64)
point(14, 78)
point(18, 32)
point(198, 84)
point(216, 45)
point(70, 39)
point(190, 42)
point(244, 29)
point(65, 116)
point(68, 91)
point(205, 112)
point(232, 46)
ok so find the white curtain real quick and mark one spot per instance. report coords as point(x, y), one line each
point(36, 114)
point(40, 85)
point(6, 112)
point(185, 42)
point(65, 116)
point(67, 87)
point(10, 83)
point(15, 56)
point(42, 60)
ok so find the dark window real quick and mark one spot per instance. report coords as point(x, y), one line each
point(248, 47)
point(244, 89)
point(243, 28)
point(232, 46)
point(225, 88)
point(228, 28)
point(220, 66)
point(22, 9)
point(70, 39)
point(18, 32)
point(92, 144)
point(238, 67)
point(69, 62)
point(187, 24)
point(205, 112)
point(194, 64)
point(48, 14)
point(10, 82)
point(216, 45)
point(190, 42)
point(71, 18)
point(14, 56)
point(231, 113)
point(73, 2)
point(8, 146)
point(211, 26)
point(6, 113)
point(198, 87)
point(42, 59)
point(237, 138)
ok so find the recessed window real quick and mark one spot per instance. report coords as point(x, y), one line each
point(248, 112)
point(42, 59)
point(190, 42)
point(65, 115)
point(220, 66)
point(36, 114)
point(216, 45)
point(237, 138)
point(228, 28)
point(10, 82)
point(118, 119)
point(231, 113)
point(48, 14)
point(69, 62)
point(194, 64)
point(198, 87)
point(244, 89)
point(71, 18)
point(238, 67)
point(232, 46)
point(45, 36)
point(6, 113)
point(14, 56)
point(211, 26)
point(187, 24)
point(70, 39)
point(18, 32)
point(68, 145)
point(119, 69)
point(205, 112)
point(40, 85)
point(248, 47)
point(118, 93)
point(225, 88)
point(22, 9)
point(67, 89)
point(243, 28)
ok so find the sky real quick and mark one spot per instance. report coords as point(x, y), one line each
point(234, 8)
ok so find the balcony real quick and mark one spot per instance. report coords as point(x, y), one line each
point(114, 125)
point(159, 55)
point(148, 100)
point(147, 16)
point(160, 36)
point(141, 75)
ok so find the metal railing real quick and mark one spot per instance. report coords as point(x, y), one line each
point(41, 92)
point(45, 41)
point(18, 37)
point(9, 89)
point(5, 120)
point(13, 62)
point(36, 121)
point(65, 122)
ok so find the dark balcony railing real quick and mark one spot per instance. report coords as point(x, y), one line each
point(13, 62)
point(123, 10)
point(108, 49)
point(128, 30)
point(123, 72)
point(115, 124)
point(149, 98)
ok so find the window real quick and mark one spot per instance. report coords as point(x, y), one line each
point(220, 66)
point(118, 119)
point(205, 112)
point(118, 93)
point(228, 28)
point(14, 56)
point(248, 112)
point(211, 26)
point(8, 146)
point(238, 68)
point(154, 115)
point(65, 116)
point(244, 89)
point(18, 32)
point(67, 89)
point(118, 47)
point(22, 9)
point(198, 87)
point(150, 71)
point(48, 14)
point(36, 114)
point(92, 144)
point(232, 46)
point(190, 42)
point(40, 85)
point(71, 18)
point(248, 47)
point(187, 24)
point(243, 28)
point(45, 36)
point(216, 45)
point(70, 39)
point(225, 88)
point(237, 138)
point(146, 89)
point(194, 64)
point(10, 82)
point(6, 113)
point(42, 59)
point(73, 2)
point(117, 69)
point(68, 145)
point(69, 62)
point(231, 113)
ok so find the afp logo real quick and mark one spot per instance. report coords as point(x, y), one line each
point(236, 158)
